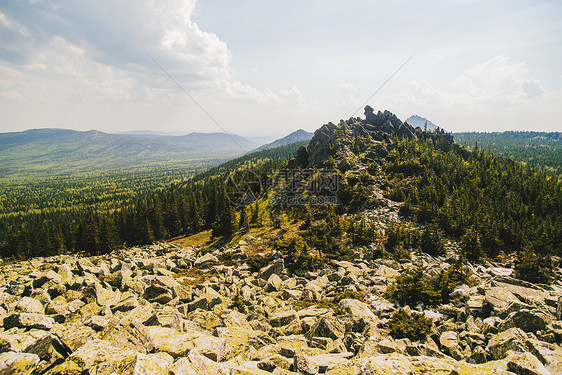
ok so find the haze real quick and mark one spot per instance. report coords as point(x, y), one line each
point(263, 68)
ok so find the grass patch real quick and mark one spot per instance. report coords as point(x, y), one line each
point(329, 303)
point(194, 276)
point(198, 239)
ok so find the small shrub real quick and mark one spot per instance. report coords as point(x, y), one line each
point(238, 302)
point(405, 324)
point(471, 247)
point(453, 276)
point(258, 261)
point(412, 288)
point(432, 241)
point(534, 268)
point(348, 294)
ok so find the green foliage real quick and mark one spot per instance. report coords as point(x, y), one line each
point(97, 213)
point(238, 303)
point(432, 241)
point(451, 277)
point(258, 261)
point(470, 245)
point(534, 267)
point(348, 294)
point(508, 205)
point(536, 148)
point(413, 287)
point(411, 325)
point(361, 231)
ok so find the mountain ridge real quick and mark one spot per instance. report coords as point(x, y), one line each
point(296, 136)
point(71, 150)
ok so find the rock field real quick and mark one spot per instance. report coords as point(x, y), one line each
point(164, 309)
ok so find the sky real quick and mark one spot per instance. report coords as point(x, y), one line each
point(266, 68)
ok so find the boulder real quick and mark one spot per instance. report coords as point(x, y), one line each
point(129, 334)
point(512, 339)
point(282, 318)
point(179, 344)
point(29, 305)
point(526, 320)
point(549, 354)
point(50, 275)
point(449, 342)
point(34, 341)
point(28, 320)
point(97, 357)
point(498, 298)
point(525, 363)
point(327, 326)
point(356, 308)
point(206, 260)
point(73, 336)
point(303, 365)
point(273, 283)
point(18, 363)
point(276, 268)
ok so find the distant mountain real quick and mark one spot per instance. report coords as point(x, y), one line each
point(150, 132)
point(296, 136)
point(416, 121)
point(55, 151)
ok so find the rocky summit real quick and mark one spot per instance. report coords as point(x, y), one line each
point(166, 309)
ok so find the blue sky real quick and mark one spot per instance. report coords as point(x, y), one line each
point(266, 68)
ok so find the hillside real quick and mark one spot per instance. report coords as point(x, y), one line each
point(296, 136)
point(539, 149)
point(41, 152)
point(433, 259)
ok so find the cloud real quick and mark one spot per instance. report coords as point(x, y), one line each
point(107, 45)
point(495, 94)
point(117, 34)
point(532, 88)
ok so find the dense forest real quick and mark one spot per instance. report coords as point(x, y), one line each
point(96, 214)
point(503, 204)
point(539, 149)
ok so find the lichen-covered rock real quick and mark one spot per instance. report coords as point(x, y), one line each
point(274, 268)
point(513, 339)
point(18, 363)
point(97, 357)
point(526, 320)
point(302, 364)
point(356, 308)
point(449, 342)
point(29, 305)
point(128, 333)
point(28, 320)
point(206, 261)
point(74, 335)
point(327, 326)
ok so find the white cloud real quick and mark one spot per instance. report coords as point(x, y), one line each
point(496, 94)
point(83, 55)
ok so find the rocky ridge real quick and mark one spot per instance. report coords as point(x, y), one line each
point(165, 309)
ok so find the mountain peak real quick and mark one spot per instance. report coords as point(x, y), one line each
point(345, 142)
point(421, 122)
